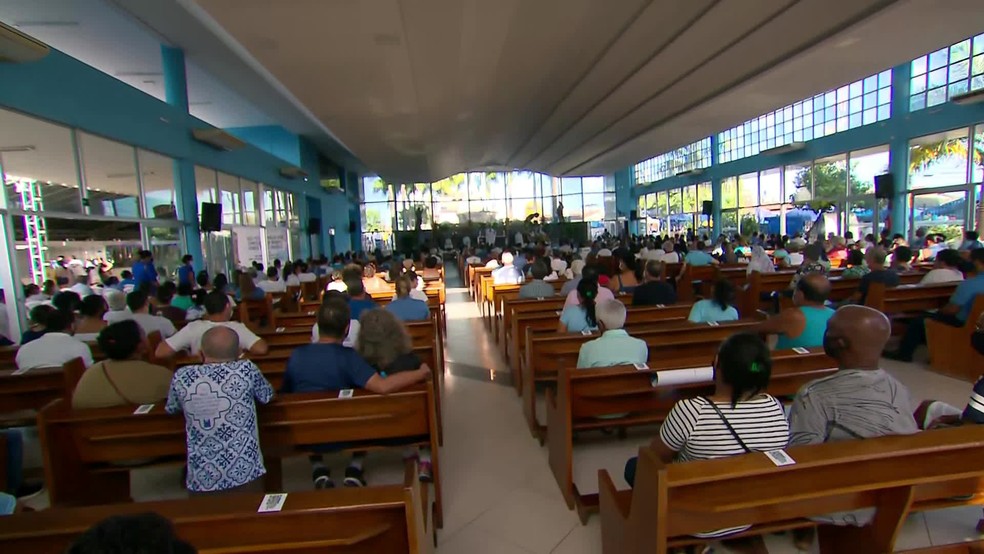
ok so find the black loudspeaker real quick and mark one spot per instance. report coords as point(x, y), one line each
point(211, 217)
point(707, 208)
point(884, 186)
point(634, 215)
point(314, 226)
point(353, 227)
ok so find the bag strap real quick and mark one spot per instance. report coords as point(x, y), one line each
point(112, 383)
point(728, 424)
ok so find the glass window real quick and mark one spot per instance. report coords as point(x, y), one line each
point(570, 185)
point(662, 205)
point(594, 207)
point(696, 155)
point(591, 185)
point(374, 189)
point(729, 221)
point(281, 199)
point(519, 208)
point(250, 202)
point(269, 207)
point(38, 165)
point(157, 173)
point(167, 247)
point(229, 198)
point(944, 213)
point(748, 190)
point(770, 186)
point(573, 210)
point(205, 183)
point(676, 201)
point(729, 193)
point(938, 160)
point(947, 72)
point(110, 177)
point(977, 167)
point(799, 182)
point(830, 178)
point(690, 199)
point(865, 166)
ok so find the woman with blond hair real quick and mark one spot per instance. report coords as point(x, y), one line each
point(385, 344)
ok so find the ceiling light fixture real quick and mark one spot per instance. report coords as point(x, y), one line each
point(138, 74)
point(52, 23)
point(9, 149)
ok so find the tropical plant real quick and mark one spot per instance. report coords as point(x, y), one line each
point(923, 156)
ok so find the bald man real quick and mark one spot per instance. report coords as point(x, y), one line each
point(218, 398)
point(861, 400)
point(803, 325)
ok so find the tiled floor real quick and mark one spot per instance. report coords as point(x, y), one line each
point(500, 497)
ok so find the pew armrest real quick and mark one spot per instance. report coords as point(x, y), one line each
point(610, 497)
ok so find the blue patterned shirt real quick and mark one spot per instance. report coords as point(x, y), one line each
point(220, 422)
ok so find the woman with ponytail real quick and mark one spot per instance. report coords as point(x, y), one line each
point(580, 317)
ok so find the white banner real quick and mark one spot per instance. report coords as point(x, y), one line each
point(277, 248)
point(247, 243)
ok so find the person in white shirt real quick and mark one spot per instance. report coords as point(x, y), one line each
point(290, 275)
point(519, 238)
point(415, 289)
point(305, 276)
point(466, 241)
point(945, 270)
point(138, 304)
point(81, 286)
point(272, 283)
point(218, 312)
point(56, 346)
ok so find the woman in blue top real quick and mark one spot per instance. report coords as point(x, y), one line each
point(719, 308)
point(578, 318)
point(804, 325)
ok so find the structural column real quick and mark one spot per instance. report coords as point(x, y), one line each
point(899, 151)
point(186, 195)
point(715, 191)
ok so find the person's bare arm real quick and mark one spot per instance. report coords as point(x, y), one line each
point(393, 383)
point(775, 325)
point(561, 327)
point(259, 348)
point(663, 452)
point(164, 351)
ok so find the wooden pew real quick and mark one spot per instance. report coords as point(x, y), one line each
point(669, 344)
point(585, 394)
point(900, 475)
point(950, 349)
point(502, 316)
point(254, 313)
point(908, 298)
point(22, 395)
point(538, 323)
point(392, 518)
point(689, 277)
point(476, 281)
point(82, 449)
point(513, 308)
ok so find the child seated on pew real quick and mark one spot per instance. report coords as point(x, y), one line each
point(328, 365)
point(385, 344)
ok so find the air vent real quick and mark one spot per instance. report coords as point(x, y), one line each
point(784, 149)
point(293, 172)
point(968, 97)
point(218, 139)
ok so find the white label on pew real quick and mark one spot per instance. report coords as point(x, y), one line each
point(586, 332)
point(660, 305)
point(539, 298)
point(20, 371)
point(801, 350)
point(272, 503)
point(780, 458)
point(641, 367)
point(281, 329)
point(713, 323)
point(558, 312)
point(346, 393)
point(143, 409)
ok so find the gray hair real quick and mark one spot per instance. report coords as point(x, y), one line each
point(611, 314)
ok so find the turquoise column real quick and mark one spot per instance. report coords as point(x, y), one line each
point(899, 150)
point(715, 190)
point(186, 195)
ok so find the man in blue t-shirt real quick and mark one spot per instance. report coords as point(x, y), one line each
point(699, 256)
point(406, 308)
point(327, 365)
point(954, 313)
point(144, 272)
point(186, 273)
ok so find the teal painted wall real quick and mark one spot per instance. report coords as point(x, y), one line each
point(272, 139)
point(66, 91)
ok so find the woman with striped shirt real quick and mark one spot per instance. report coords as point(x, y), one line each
point(737, 419)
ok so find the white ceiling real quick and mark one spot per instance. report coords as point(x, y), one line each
point(420, 89)
point(101, 35)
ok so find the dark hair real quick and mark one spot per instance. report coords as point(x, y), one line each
point(166, 292)
point(39, 314)
point(198, 297)
point(855, 257)
point(724, 293)
point(67, 301)
point(184, 289)
point(587, 290)
point(120, 340)
point(93, 305)
point(144, 254)
point(430, 262)
point(540, 269)
point(333, 316)
point(903, 254)
point(136, 300)
point(202, 278)
point(220, 282)
point(146, 533)
point(271, 272)
point(744, 363)
point(977, 255)
point(127, 274)
point(48, 287)
point(31, 289)
point(971, 235)
point(811, 293)
point(59, 321)
point(215, 302)
point(187, 258)
point(355, 287)
point(949, 257)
